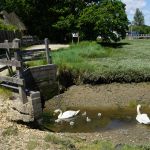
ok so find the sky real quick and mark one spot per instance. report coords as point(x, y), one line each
point(143, 5)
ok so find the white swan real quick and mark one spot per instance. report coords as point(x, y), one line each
point(99, 114)
point(142, 118)
point(88, 119)
point(66, 114)
point(71, 123)
point(84, 114)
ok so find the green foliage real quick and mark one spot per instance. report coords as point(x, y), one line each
point(12, 130)
point(141, 29)
point(138, 18)
point(7, 27)
point(58, 19)
point(107, 19)
point(5, 93)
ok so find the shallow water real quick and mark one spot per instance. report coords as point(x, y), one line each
point(111, 119)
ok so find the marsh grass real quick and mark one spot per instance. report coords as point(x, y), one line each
point(127, 61)
point(5, 93)
point(59, 141)
point(107, 145)
point(31, 145)
point(9, 131)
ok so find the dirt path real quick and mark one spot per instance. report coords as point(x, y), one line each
point(52, 46)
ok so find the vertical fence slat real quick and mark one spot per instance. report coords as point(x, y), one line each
point(48, 54)
point(19, 71)
point(8, 55)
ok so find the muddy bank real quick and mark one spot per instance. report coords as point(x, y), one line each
point(105, 95)
point(108, 96)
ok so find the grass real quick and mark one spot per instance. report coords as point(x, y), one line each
point(127, 61)
point(9, 131)
point(5, 93)
point(31, 145)
point(107, 145)
point(56, 140)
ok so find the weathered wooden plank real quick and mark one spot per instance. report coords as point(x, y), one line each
point(49, 60)
point(32, 51)
point(33, 58)
point(44, 67)
point(10, 86)
point(10, 62)
point(19, 70)
point(9, 45)
point(12, 80)
point(3, 68)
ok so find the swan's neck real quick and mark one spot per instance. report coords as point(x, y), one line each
point(138, 110)
point(60, 114)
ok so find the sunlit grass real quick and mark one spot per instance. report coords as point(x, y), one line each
point(5, 93)
point(127, 61)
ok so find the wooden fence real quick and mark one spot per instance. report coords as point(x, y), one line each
point(139, 36)
point(17, 59)
point(9, 35)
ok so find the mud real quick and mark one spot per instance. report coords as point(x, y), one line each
point(104, 97)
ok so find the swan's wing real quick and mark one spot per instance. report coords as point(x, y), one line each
point(145, 119)
point(138, 118)
point(68, 114)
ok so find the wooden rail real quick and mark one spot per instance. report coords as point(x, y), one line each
point(19, 58)
point(140, 36)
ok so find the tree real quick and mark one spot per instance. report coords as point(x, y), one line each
point(107, 19)
point(138, 18)
point(56, 19)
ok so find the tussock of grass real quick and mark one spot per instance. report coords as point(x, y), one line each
point(12, 130)
point(31, 145)
point(5, 93)
point(56, 140)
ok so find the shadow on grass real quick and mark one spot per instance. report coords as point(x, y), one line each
point(113, 45)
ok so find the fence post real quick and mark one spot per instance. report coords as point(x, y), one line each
point(8, 55)
point(19, 71)
point(48, 51)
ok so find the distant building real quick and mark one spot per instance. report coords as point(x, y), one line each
point(13, 19)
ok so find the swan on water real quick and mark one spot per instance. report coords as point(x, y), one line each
point(71, 123)
point(66, 114)
point(84, 114)
point(88, 119)
point(99, 114)
point(142, 118)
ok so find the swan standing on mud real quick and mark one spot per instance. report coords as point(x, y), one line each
point(66, 114)
point(142, 118)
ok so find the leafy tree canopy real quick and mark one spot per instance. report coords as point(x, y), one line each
point(107, 19)
point(57, 19)
point(138, 18)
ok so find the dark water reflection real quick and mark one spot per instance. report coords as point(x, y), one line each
point(111, 119)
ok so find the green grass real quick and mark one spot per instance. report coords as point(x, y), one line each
point(59, 141)
point(11, 130)
point(90, 62)
point(107, 145)
point(5, 93)
point(31, 145)
point(126, 62)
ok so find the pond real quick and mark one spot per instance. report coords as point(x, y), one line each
point(110, 119)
